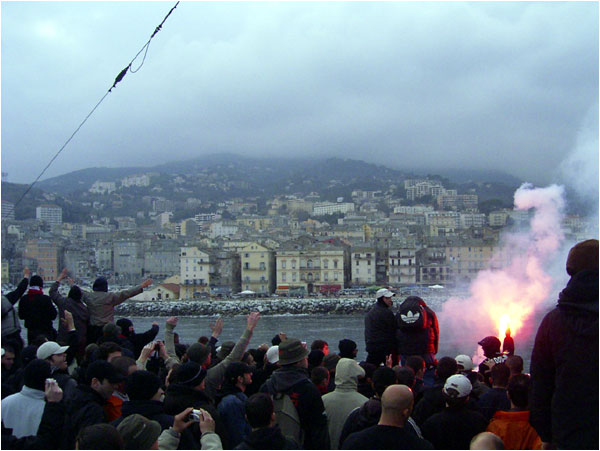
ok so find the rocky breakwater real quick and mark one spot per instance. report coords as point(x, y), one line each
point(287, 306)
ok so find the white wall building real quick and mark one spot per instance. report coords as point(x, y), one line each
point(52, 214)
point(103, 187)
point(328, 208)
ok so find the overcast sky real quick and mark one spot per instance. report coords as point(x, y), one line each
point(510, 86)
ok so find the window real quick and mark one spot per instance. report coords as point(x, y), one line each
point(335, 276)
point(293, 264)
point(283, 277)
point(335, 263)
point(325, 263)
point(282, 264)
point(246, 265)
point(309, 263)
point(246, 255)
point(294, 277)
point(326, 276)
point(309, 277)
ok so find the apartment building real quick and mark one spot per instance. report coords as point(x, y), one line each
point(99, 187)
point(328, 208)
point(258, 269)
point(51, 214)
point(467, 258)
point(194, 269)
point(363, 265)
point(305, 268)
point(402, 267)
point(47, 255)
point(128, 260)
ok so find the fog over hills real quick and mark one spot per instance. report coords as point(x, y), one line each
point(261, 171)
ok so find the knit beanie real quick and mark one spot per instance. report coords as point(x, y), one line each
point(100, 284)
point(197, 352)
point(75, 293)
point(583, 255)
point(124, 324)
point(141, 385)
point(35, 374)
point(36, 281)
point(347, 348)
point(190, 374)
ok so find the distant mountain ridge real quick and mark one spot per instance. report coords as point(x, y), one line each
point(262, 171)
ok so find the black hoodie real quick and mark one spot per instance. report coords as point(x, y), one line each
point(564, 367)
point(267, 438)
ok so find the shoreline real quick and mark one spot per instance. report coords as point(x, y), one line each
point(270, 307)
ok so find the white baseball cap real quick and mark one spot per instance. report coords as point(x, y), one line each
point(50, 348)
point(457, 386)
point(273, 354)
point(464, 361)
point(384, 292)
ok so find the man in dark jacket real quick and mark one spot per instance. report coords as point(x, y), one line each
point(391, 431)
point(293, 380)
point(497, 397)
point(78, 309)
point(456, 425)
point(137, 340)
point(433, 400)
point(238, 376)
point(38, 312)
point(564, 361)
point(11, 328)
point(380, 328)
point(86, 406)
point(265, 433)
point(187, 390)
point(418, 337)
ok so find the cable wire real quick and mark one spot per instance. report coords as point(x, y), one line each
point(117, 80)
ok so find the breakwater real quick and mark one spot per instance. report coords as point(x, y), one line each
point(278, 306)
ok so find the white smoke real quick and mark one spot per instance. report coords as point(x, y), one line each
point(519, 282)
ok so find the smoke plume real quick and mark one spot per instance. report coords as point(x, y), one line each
point(516, 282)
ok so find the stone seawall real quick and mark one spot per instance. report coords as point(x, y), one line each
point(289, 306)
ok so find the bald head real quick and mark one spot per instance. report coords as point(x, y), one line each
point(396, 405)
point(486, 440)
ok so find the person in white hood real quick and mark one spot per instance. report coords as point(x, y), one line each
point(344, 399)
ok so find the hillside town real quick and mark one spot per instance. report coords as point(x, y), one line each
point(302, 244)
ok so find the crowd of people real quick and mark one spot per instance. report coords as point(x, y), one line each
point(96, 383)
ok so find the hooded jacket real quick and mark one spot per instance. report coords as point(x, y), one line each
point(564, 367)
point(380, 329)
point(294, 382)
point(137, 340)
point(419, 342)
point(101, 304)
point(232, 410)
point(344, 399)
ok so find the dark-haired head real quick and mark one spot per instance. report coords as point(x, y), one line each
point(259, 410)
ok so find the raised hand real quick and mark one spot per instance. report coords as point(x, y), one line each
point(252, 320)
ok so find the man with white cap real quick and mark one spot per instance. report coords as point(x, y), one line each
point(56, 356)
point(456, 425)
point(380, 328)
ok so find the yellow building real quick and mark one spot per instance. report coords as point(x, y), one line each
point(320, 267)
point(256, 222)
point(258, 269)
point(465, 260)
point(194, 273)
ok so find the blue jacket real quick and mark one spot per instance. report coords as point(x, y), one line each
point(233, 413)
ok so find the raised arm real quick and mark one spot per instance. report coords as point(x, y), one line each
point(121, 296)
point(15, 295)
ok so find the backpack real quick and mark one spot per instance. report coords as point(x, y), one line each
point(287, 418)
point(411, 315)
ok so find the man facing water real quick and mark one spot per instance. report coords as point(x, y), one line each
point(380, 328)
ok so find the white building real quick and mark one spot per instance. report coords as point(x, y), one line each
point(223, 228)
point(51, 214)
point(468, 220)
point(136, 180)
point(328, 208)
point(103, 187)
